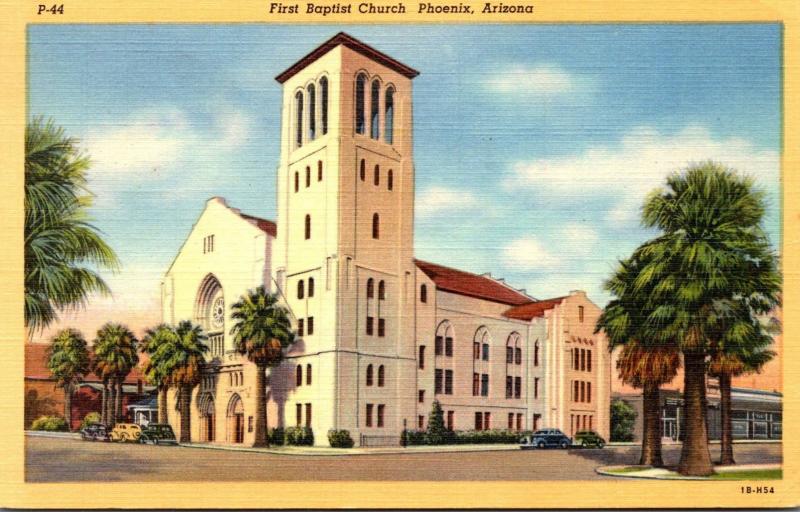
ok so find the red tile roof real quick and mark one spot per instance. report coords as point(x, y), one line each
point(533, 309)
point(267, 226)
point(36, 365)
point(354, 44)
point(472, 285)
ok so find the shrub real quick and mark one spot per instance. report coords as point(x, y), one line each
point(340, 439)
point(277, 437)
point(623, 418)
point(92, 417)
point(490, 436)
point(437, 433)
point(50, 424)
point(299, 436)
point(414, 437)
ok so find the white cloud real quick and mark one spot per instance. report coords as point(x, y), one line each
point(528, 253)
point(542, 81)
point(641, 161)
point(437, 200)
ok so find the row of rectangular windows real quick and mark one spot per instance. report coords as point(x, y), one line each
point(376, 175)
point(311, 94)
point(388, 106)
point(299, 415)
point(305, 327)
point(299, 375)
point(308, 176)
point(381, 408)
point(582, 359)
point(580, 422)
point(581, 391)
point(381, 376)
point(444, 346)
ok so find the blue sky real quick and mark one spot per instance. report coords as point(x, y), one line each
point(534, 144)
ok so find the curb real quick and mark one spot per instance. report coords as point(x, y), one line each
point(60, 435)
point(344, 452)
point(606, 471)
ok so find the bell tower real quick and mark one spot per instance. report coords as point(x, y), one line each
point(343, 256)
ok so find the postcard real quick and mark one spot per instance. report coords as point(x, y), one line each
point(399, 255)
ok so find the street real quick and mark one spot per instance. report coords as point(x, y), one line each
point(68, 460)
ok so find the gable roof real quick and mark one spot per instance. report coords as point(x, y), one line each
point(533, 309)
point(36, 365)
point(472, 285)
point(267, 226)
point(354, 44)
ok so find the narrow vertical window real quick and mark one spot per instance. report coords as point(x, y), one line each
point(376, 229)
point(381, 410)
point(423, 293)
point(388, 116)
point(308, 176)
point(298, 106)
point(312, 112)
point(450, 420)
point(421, 396)
point(588, 360)
point(438, 382)
point(484, 384)
point(361, 82)
point(323, 89)
point(374, 105)
point(319, 170)
point(487, 421)
point(369, 375)
point(377, 175)
point(390, 180)
point(296, 182)
point(448, 382)
point(381, 376)
point(536, 354)
point(381, 290)
point(300, 326)
point(580, 314)
point(422, 357)
point(298, 413)
point(517, 387)
point(310, 287)
point(300, 289)
point(478, 421)
point(308, 374)
point(370, 288)
point(476, 384)
point(369, 415)
point(310, 325)
point(589, 392)
point(363, 170)
point(536, 387)
point(308, 415)
point(308, 227)
point(299, 375)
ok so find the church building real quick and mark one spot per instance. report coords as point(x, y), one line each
point(381, 334)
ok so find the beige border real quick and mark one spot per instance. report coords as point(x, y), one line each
point(14, 15)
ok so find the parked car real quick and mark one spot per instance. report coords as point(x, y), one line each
point(589, 439)
point(95, 432)
point(126, 432)
point(157, 433)
point(545, 438)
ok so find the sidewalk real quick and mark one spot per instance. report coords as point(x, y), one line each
point(666, 474)
point(326, 451)
point(62, 435)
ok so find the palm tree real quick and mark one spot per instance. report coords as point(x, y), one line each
point(182, 366)
point(160, 344)
point(642, 365)
point(62, 249)
point(712, 248)
point(261, 331)
point(115, 355)
point(68, 361)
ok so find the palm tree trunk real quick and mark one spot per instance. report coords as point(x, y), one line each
point(695, 459)
point(112, 399)
point(162, 405)
point(186, 422)
point(261, 409)
point(118, 405)
point(651, 438)
point(68, 406)
point(104, 404)
point(726, 441)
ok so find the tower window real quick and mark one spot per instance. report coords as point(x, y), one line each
point(381, 409)
point(310, 325)
point(376, 228)
point(312, 112)
point(381, 290)
point(300, 326)
point(374, 103)
point(390, 180)
point(377, 178)
point(423, 293)
point(370, 288)
point(361, 82)
point(323, 89)
point(363, 171)
point(300, 289)
point(296, 181)
point(308, 374)
point(298, 102)
point(319, 170)
point(580, 314)
point(369, 375)
point(310, 286)
point(299, 375)
point(308, 176)
point(308, 227)
point(388, 116)
point(381, 376)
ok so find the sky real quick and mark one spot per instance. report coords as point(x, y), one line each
point(534, 145)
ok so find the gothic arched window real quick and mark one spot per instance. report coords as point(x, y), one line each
point(308, 227)
point(390, 180)
point(381, 376)
point(381, 290)
point(361, 85)
point(370, 288)
point(310, 286)
point(369, 375)
point(376, 226)
point(300, 289)
point(312, 112)
point(298, 106)
point(323, 89)
point(374, 104)
point(388, 116)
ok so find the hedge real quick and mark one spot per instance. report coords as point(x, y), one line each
point(92, 417)
point(50, 424)
point(277, 437)
point(300, 436)
point(340, 439)
point(420, 437)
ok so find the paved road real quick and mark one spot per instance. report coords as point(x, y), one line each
point(67, 460)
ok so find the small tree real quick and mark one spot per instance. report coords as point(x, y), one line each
point(437, 433)
point(623, 418)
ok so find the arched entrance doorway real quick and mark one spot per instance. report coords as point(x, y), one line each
point(207, 418)
point(235, 420)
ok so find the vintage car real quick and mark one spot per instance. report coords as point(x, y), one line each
point(95, 432)
point(157, 433)
point(126, 432)
point(546, 438)
point(589, 439)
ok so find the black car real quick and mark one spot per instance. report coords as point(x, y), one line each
point(547, 438)
point(157, 433)
point(95, 432)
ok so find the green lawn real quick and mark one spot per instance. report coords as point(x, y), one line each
point(622, 471)
point(753, 474)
